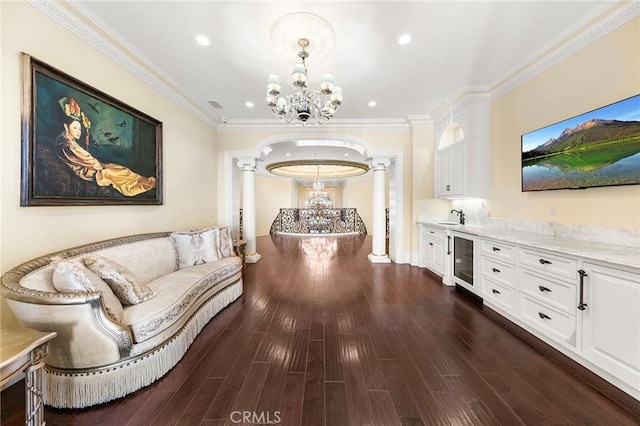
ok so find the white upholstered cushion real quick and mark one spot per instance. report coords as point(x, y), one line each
point(74, 277)
point(176, 293)
point(226, 242)
point(121, 280)
point(196, 247)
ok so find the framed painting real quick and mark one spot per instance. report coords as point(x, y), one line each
point(81, 146)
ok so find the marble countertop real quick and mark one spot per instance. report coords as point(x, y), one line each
point(611, 253)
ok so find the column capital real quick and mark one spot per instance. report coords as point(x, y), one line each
point(380, 163)
point(247, 164)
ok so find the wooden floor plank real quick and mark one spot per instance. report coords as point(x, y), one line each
point(384, 413)
point(222, 405)
point(336, 405)
point(196, 410)
point(291, 402)
point(251, 390)
point(313, 408)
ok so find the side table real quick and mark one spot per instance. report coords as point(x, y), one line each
point(15, 346)
point(240, 248)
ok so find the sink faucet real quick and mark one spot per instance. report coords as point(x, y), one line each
point(461, 214)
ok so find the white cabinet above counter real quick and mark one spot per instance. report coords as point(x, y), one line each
point(580, 297)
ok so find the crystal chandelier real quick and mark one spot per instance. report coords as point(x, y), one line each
point(319, 198)
point(302, 103)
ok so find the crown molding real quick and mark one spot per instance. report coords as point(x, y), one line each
point(565, 45)
point(123, 53)
point(345, 124)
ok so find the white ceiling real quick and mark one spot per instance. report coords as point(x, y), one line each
point(456, 45)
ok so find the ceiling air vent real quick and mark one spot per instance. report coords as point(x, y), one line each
point(215, 104)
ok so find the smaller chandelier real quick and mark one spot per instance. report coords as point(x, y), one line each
point(302, 103)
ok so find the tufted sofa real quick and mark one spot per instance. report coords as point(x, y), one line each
point(95, 358)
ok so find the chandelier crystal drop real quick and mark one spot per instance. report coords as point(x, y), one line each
point(303, 104)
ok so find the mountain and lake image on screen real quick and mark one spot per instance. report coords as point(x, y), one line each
point(597, 148)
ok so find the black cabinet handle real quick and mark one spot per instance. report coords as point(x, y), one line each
point(543, 288)
point(430, 244)
point(495, 291)
point(431, 232)
point(543, 316)
point(448, 244)
point(496, 270)
point(544, 261)
point(582, 306)
point(495, 249)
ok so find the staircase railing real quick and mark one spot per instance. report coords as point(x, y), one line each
point(318, 221)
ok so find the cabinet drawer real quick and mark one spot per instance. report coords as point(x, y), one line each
point(551, 264)
point(498, 250)
point(551, 322)
point(433, 233)
point(560, 294)
point(503, 297)
point(498, 271)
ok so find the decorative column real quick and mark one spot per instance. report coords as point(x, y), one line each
point(378, 247)
point(248, 168)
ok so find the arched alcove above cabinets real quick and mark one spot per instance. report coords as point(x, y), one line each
point(463, 157)
point(451, 134)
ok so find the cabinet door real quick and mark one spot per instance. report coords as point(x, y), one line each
point(444, 173)
point(427, 252)
point(611, 321)
point(451, 170)
point(457, 170)
point(438, 256)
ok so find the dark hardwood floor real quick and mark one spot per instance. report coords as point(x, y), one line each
point(323, 337)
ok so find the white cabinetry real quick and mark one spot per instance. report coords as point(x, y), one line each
point(497, 273)
point(433, 249)
point(587, 309)
point(547, 296)
point(463, 169)
point(463, 152)
point(451, 170)
point(611, 321)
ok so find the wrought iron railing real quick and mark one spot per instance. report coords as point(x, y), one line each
point(318, 221)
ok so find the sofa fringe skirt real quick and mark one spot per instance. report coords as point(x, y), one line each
point(82, 389)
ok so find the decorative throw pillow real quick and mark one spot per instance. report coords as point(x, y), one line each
point(74, 277)
point(121, 280)
point(226, 242)
point(196, 247)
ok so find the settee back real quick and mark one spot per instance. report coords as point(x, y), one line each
point(148, 256)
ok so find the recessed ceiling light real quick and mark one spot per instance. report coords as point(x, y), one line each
point(346, 154)
point(372, 104)
point(249, 104)
point(404, 39)
point(202, 40)
point(288, 155)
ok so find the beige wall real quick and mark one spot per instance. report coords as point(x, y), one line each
point(189, 149)
point(604, 72)
point(271, 195)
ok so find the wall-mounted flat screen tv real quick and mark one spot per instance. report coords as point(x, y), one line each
point(597, 148)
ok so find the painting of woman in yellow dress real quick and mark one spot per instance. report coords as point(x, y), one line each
point(85, 165)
